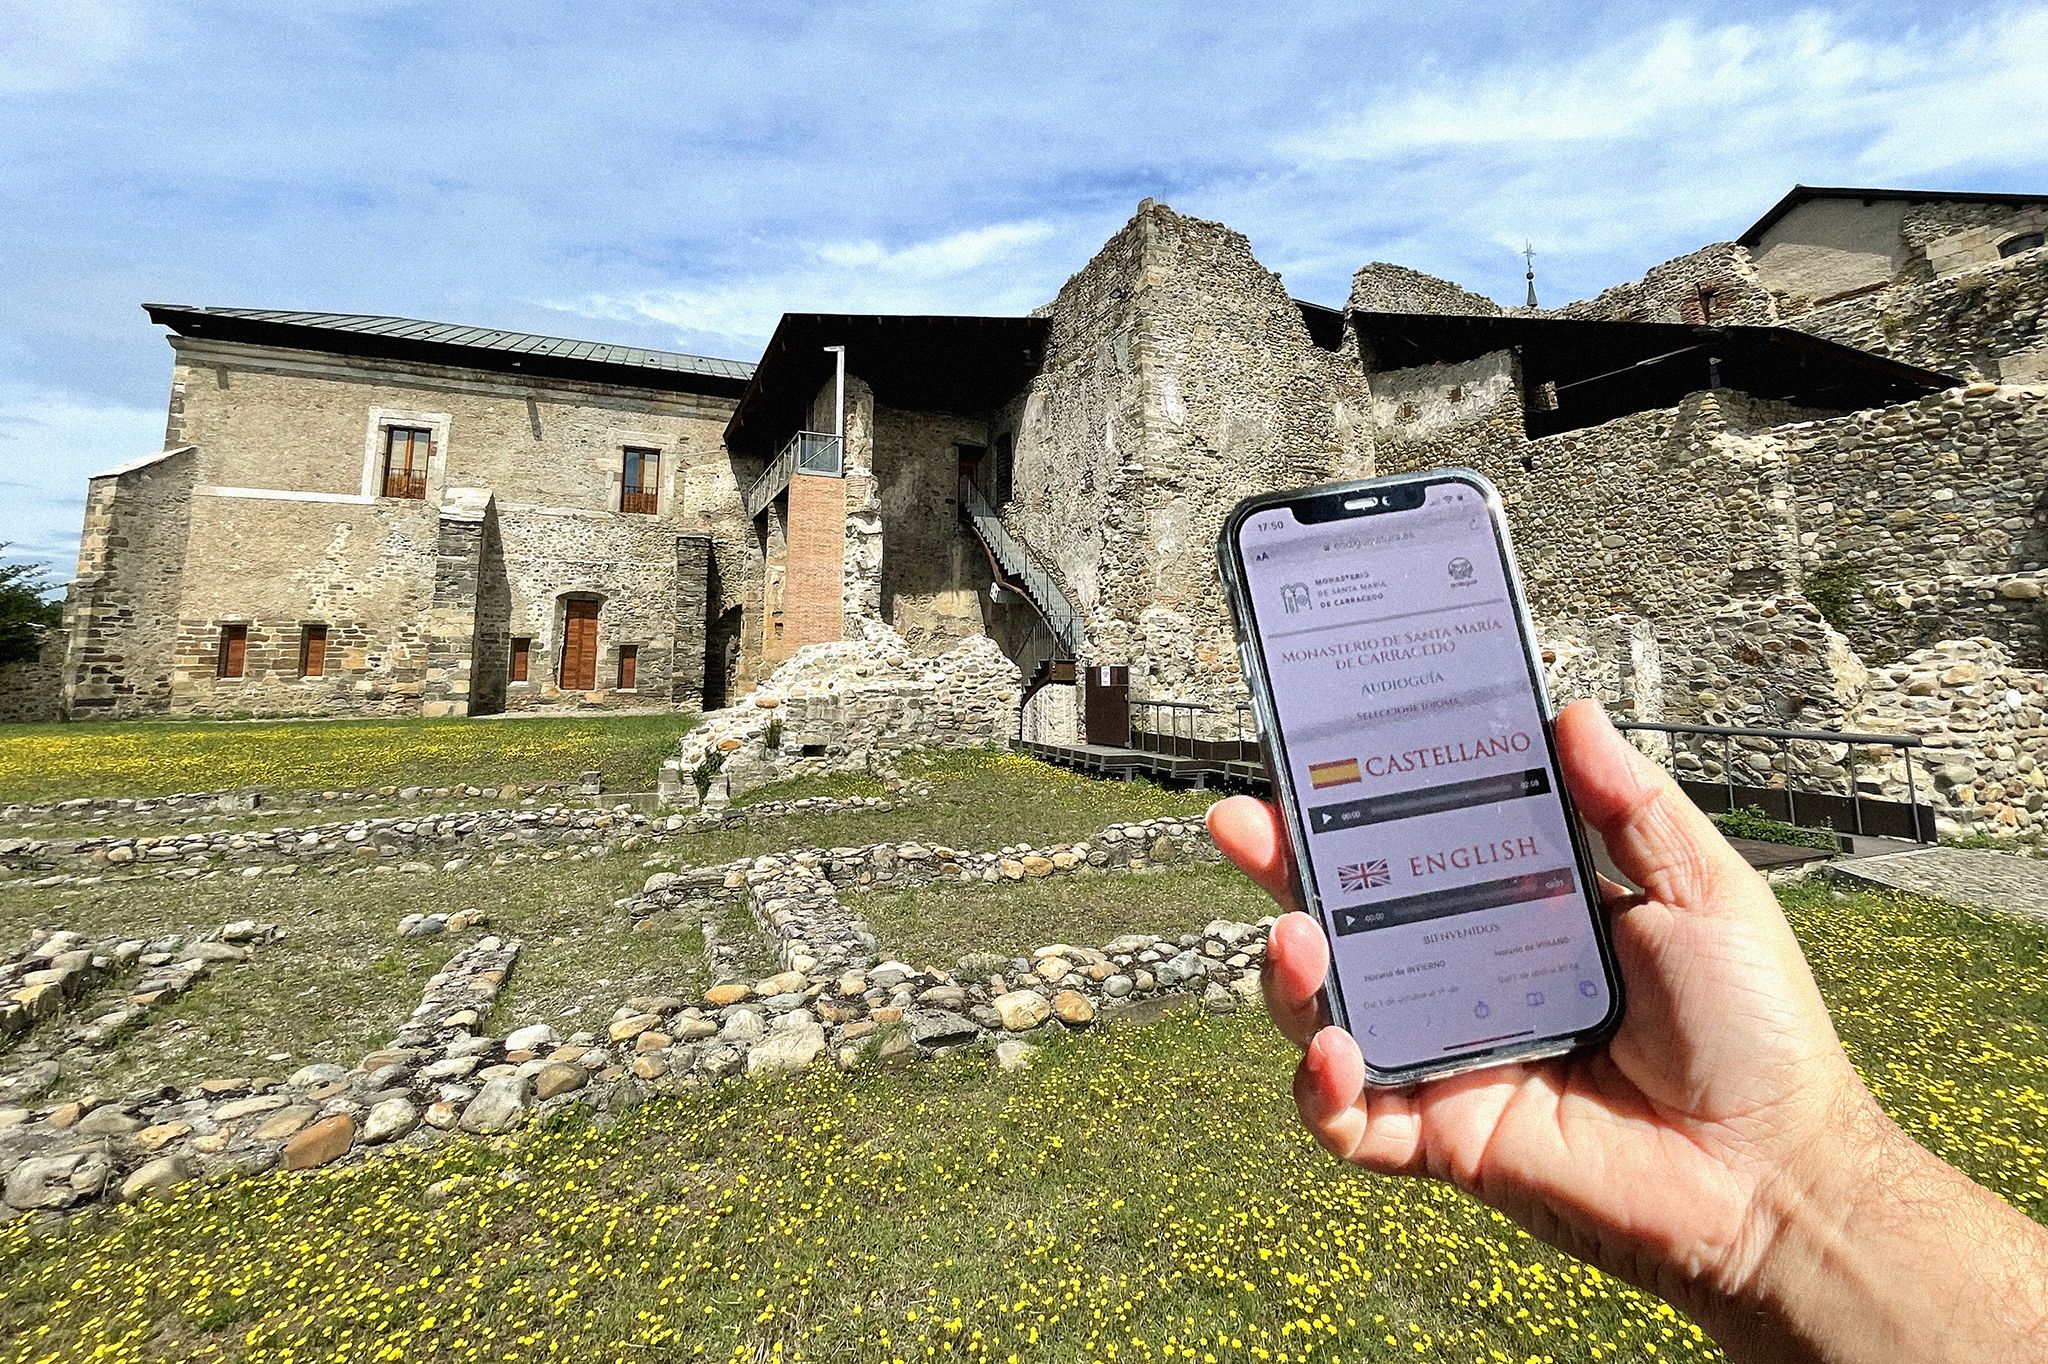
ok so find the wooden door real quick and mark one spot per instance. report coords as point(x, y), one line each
point(579, 646)
point(1106, 707)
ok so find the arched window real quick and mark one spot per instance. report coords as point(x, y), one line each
point(2025, 241)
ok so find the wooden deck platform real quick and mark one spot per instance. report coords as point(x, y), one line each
point(1103, 761)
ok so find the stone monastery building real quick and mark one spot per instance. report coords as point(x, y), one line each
point(1796, 478)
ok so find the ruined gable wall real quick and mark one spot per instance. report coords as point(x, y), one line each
point(1671, 292)
point(1213, 390)
point(1379, 287)
point(1827, 247)
point(124, 602)
point(32, 689)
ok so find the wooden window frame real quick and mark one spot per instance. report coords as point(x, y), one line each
point(519, 667)
point(640, 480)
point(628, 675)
point(231, 653)
point(313, 649)
point(411, 484)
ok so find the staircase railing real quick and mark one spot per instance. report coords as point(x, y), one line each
point(810, 452)
point(1018, 568)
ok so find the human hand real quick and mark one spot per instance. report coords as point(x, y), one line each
point(1674, 1155)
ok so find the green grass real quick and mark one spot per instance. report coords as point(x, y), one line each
point(940, 924)
point(341, 980)
point(1142, 1187)
point(52, 762)
point(980, 799)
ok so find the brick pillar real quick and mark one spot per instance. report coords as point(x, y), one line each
point(452, 619)
point(692, 624)
point(814, 577)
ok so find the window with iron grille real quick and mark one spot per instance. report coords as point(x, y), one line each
point(638, 489)
point(406, 449)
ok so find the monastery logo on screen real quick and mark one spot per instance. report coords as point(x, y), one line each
point(1365, 875)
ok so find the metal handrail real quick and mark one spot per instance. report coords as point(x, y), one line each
point(810, 452)
point(1021, 570)
point(1852, 741)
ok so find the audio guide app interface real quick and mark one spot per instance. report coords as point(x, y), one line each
point(1435, 837)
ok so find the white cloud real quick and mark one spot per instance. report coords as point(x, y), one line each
point(53, 45)
point(990, 269)
point(49, 444)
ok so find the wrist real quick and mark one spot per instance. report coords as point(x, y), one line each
point(1810, 1274)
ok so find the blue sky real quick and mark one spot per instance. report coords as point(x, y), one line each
point(676, 175)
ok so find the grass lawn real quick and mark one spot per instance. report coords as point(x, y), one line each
point(1140, 1194)
point(938, 925)
point(162, 757)
point(980, 799)
point(341, 980)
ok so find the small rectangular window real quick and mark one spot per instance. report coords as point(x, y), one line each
point(639, 486)
point(406, 450)
point(234, 651)
point(522, 658)
point(1005, 462)
point(312, 651)
point(629, 666)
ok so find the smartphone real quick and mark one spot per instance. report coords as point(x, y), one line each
point(1399, 692)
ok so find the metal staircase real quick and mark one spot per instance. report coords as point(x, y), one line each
point(1017, 569)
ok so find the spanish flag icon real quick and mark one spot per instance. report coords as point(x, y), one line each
point(1341, 772)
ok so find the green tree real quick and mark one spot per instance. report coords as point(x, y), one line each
point(26, 611)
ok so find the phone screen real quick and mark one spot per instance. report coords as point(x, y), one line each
point(1429, 828)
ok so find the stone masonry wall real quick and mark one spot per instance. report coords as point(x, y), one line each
point(280, 522)
point(934, 576)
point(1928, 520)
point(846, 707)
point(32, 690)
point(1672, 292)
point(1986, 322)
point(1379, 287)
point(1207, 387)
point(124, 602)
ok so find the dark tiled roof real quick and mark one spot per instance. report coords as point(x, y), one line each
point(1800, 194)
point(405, 338)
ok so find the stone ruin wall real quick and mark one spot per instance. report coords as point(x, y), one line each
point(32, 689)
point(1987, 322)
point(124, 603)
point(1931, 516)
point(848, 706)
point(1380, 287)
point(1671, 292)
point(1207, 387)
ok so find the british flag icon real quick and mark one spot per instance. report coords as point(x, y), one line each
point(1364, 875)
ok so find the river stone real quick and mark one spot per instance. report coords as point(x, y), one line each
point(249, 1107)
point(718, 996)
point(796, 1042)
point(285, 1122)
point(159, 1176)
point(938, 1027)
point(499, 1107)
point(743, 1026)
point(786, 983)
point(108, 1122)
point(1014, 1055)
point(389, 1120)
point(1021, 1010)
point(534, 1037)
point(559, 1077)
point(325, 1142)
point(1072, 1008)
point(42, 1182)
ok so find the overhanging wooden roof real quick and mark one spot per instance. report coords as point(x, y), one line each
point(915, 362)
point(1604, 370)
